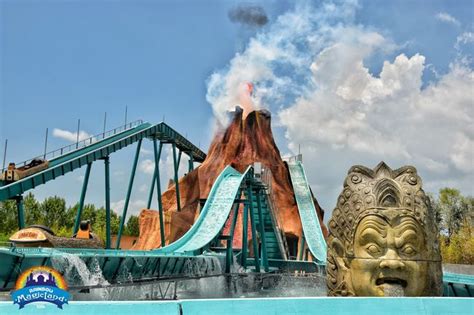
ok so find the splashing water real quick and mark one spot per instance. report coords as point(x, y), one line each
point(77, 273)
point(393, 290)
point(238, 284)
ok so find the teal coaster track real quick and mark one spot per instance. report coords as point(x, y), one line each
point(205, 250)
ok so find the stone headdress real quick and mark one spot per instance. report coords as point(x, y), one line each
point(372, 192)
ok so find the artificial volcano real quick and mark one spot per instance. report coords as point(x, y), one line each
point(245, 141)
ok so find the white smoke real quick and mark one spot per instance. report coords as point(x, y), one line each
point(310, 67)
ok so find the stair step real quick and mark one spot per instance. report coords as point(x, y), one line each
point(271, 241)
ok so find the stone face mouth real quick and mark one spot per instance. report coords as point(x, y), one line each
point(392, 281)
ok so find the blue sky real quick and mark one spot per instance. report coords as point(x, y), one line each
point(64, 60)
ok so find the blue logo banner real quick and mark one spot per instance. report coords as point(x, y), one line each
point(41, 293)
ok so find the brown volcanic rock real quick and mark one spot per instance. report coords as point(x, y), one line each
point(242, 143)
point(150, 229)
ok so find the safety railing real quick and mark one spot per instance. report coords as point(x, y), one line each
point(79, 144)
point(298, 157)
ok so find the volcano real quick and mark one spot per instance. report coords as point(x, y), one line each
point(245, 141)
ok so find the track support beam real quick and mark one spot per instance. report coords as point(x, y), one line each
point(254, 231)
point(229, 251)
point(176, 168)
point(20, 212)
point(262, 231)
point(107, 203)
point(191, 163)
point(157, 155)
point(129, 192)
point(301, 249)
point(245, 221)
point(82, 198)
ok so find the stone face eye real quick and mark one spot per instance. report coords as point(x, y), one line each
point(408, 250)
point(373, 249)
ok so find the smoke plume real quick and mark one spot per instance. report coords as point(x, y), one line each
point(250, 15)
point(310, 67)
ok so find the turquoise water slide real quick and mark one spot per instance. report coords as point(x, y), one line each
point(309, 218)
point(213, 216)
point(98, 148)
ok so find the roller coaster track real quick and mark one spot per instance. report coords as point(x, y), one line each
point(97, 150)
point(309, 217)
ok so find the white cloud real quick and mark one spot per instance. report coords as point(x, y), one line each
point(288, 43)
point(145, 151)
point(446, 18)
point(463, 39)
point(463, 152)
point(397, 119)
point(119, 173)
point(353, 116)
point(134, 206)
point(147, 166)
point(70, 136)
point(310, 66)
point(143, 188)
point(168, 165)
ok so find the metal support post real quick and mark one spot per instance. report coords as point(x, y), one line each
point(20, 211)
point(78, 132)
point(152, 189)
point(262, 232)
point(83, 197)
point(176, 166)
point(191, 163)
point(301, 249)
point(129, 192)
point(254, 230)
point(245, 220)
point(157, 154)
point(45, 144)
point(229, 253)
point(5, 154)
point(107, 203)
point(180, 153)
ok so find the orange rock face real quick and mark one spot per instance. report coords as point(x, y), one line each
point(242, 143)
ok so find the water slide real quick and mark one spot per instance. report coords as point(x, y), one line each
point(309, 217)
point(213, 216)
point(62, 162)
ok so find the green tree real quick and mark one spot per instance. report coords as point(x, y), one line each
point(436, 208)
point(8, 221)
point(100, 223)
point(89, 212)
point(33, 210)
point(54, 209)
point(455, 214)
point(132, 226)
point(453, 208)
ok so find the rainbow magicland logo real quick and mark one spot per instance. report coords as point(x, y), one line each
point(40, 284)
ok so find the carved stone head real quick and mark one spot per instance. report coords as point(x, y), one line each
point(383, 239)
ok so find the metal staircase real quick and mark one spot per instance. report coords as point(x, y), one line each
point(272, 241)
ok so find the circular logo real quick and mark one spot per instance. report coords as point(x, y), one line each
point(40, 284)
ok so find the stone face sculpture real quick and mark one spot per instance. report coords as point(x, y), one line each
point(383, 239)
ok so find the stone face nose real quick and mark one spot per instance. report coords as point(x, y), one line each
point(391, 260)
